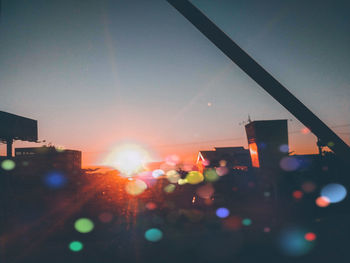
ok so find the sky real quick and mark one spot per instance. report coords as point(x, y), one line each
point(98, 73)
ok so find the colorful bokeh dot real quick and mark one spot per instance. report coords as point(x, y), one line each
point(194, 177)
point(246, 222)
point(211, 175)
point(158, 172)
point(334, 192)
point(135, 187)
point(173, 176)
point(222, 212)
point(55, 180)
point(84, 225)
point(153, 235)
point(298, 194)
point(322, 201)
point(151, 206)
point(293, 243)
point(289, 164)
point(267, 229)
point(169, 188)
point(284, 148)
point(310, 236)
point(8, 165)
point(76, 246)
point(330, 144)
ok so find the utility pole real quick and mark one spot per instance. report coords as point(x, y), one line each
point(9, 143)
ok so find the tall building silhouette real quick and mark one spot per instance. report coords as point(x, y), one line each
point(268, 142)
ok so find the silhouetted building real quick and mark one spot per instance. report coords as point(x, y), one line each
point(232, 157)
point(38, 159)
point(14, 127)
point(268, 142)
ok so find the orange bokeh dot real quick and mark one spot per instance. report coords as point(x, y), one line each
point(322, 201)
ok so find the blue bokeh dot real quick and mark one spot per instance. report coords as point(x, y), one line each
point(334, 192)
point(55, 180)
point(222, 212)
point(284, 148)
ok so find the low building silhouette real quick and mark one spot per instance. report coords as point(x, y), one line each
point(39, 159)
point(232, 157)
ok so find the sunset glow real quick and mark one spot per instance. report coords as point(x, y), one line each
point(128, 158)
point(174, 131)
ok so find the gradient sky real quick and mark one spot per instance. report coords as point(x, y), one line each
point(97, 73)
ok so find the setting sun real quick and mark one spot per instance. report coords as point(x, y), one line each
point(128, 158)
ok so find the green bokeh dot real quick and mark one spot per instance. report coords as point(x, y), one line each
point(84, 225)
point(330, 144)
point(8, 165)
point(246, 222)
point(75, 246)
point(211, 175)
point(169, 188)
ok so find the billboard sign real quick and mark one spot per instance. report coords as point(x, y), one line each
point(17, 127)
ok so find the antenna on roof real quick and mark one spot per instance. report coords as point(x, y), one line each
point(249, 120)
point(244, 122)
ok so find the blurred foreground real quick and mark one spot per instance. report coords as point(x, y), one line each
point(172, 215)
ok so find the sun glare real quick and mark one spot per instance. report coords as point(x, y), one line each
point(129, 159)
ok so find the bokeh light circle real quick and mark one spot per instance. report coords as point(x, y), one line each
point(169, 188)
point(308, 187)
point(135, 187)
point(246, 222)
point(298, 194)
point(173, 176)
point(330, 144)
point(305, 131)
point(222, 212)
point(182, 181)
point(151, 206)
point(158, 172)
point(322, 201)
point(206, 162)
point(293, 243)
point(310, 236)
point(222, 170)
point(153, 235)
point(194, 177)
point(55, 180)
point(75, 246)
point(289, 164)
point(211, 175)
point(334, 192)
point(84, 225)
point(205, 191)
point(284, 148)
point(267, 229)
point(8, 165)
